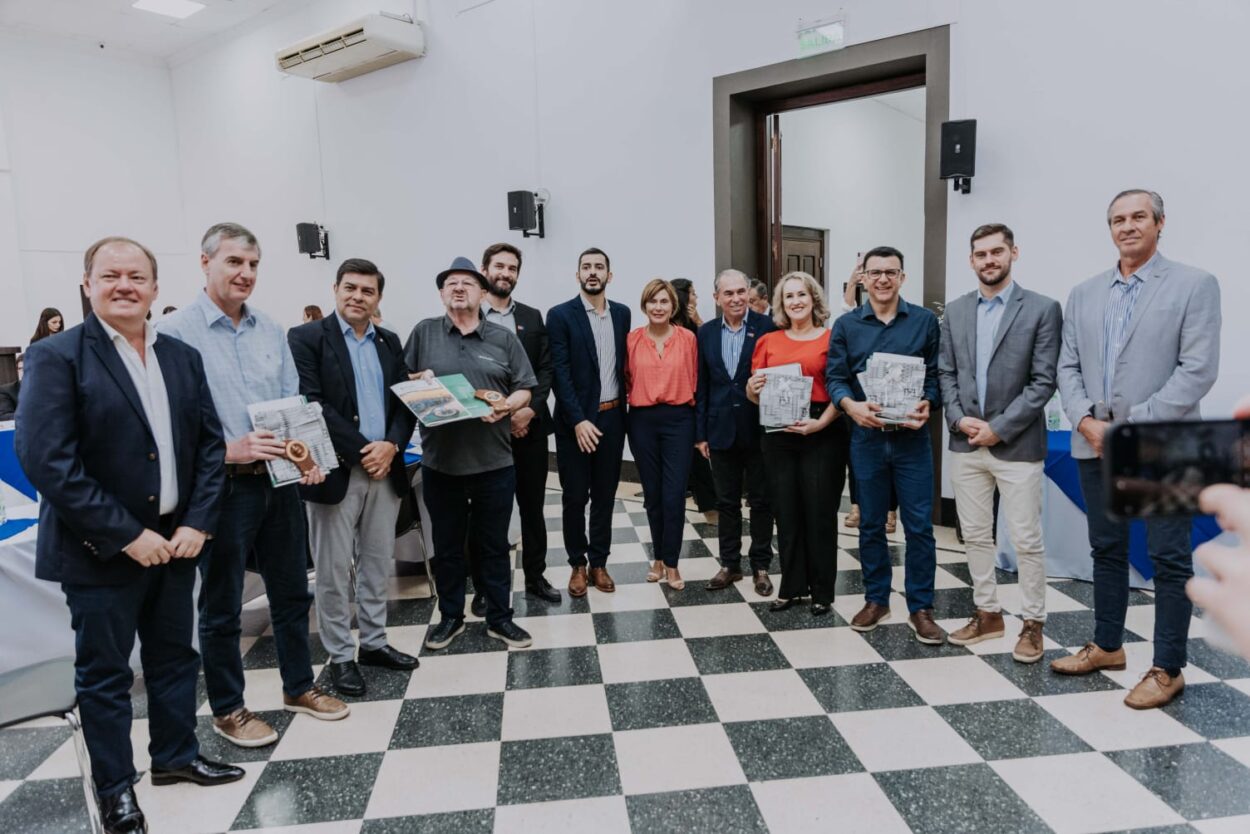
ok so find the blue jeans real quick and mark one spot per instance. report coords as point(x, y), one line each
point(901, 460)
point(451, 499)
point(106, 618)
point(255, 518)
point(662, 438)
point(1171, 553)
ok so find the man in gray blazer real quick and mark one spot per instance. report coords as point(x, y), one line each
point(1000, 346)
point(1141, 341)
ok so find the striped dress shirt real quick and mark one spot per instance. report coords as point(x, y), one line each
point(1122, 297)
point(605, 350)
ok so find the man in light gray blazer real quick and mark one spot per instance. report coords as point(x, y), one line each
point(1000, 346)
point(1141, 341)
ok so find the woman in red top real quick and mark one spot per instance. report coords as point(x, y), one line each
point(661, 365)
point(805, 462)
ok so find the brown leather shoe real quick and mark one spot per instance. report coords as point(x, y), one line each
point(723, 579)
point(601, 580)
point(763, 584)
point(318, 704)
point(1089, 659)
point(852, 518)
point(870, 616)
point(984, 625)
point(925, 629)
point(1029, 646)
point(1155, 689)
point(244, 728)
point(891, 521)
point(577, 582)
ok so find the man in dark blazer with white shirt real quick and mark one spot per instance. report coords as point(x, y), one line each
point(727, 430)
point(587, 337)
point(117, 430)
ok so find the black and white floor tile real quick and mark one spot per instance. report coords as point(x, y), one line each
point(654, 710)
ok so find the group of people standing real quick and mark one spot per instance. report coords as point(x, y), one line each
point(138, 437)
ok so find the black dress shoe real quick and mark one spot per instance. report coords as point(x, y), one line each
point(543, 590)
point(784, 604)
point(121, 813)
point(478, 606)
point(820, 609)
point(200, 771)
point(387, 658)
point(347, 679)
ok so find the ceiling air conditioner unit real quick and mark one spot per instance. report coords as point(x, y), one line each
point(364, 45)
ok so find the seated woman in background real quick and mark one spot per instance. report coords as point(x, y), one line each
point(661, 365)
point(51, 322)
point(805, 462)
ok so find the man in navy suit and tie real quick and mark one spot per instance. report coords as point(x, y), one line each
point(118, 432)
point(587, 338)
point(727, 430)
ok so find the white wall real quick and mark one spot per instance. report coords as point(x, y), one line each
point(856, 169)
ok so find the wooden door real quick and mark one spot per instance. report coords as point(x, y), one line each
point(803, 250)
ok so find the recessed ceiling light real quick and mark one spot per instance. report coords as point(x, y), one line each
point(170, 8)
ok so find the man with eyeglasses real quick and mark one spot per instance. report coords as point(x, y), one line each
point(885, 454)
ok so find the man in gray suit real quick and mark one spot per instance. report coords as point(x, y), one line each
point(1000, 346)
point(1141, 341)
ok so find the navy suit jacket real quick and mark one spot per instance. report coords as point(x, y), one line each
point(85, 443)
point(724, 417)
point(575, 362)
point(533, 335)
point(326, 376)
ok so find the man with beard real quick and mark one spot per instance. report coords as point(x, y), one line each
point(1000, 348)
point(501, 263)
point(587, 336)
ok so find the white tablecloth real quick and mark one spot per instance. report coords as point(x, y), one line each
point(34, 620)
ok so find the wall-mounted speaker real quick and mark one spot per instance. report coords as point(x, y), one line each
point(522, 211)
point(313, 240)
point(959, 153)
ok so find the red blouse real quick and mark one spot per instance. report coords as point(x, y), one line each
point(669, 379)
point(777, 348)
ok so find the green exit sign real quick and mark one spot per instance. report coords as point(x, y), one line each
point(821, 35)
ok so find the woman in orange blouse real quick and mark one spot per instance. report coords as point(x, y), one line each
point(805, 462)
point(661, 364)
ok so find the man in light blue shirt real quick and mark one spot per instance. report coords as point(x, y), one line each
point(247, 360)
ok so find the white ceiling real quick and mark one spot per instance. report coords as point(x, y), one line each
point(115, 24)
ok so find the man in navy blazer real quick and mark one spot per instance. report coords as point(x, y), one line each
point(727, 430)
point(348, 364)
point(587, 338)
point(118, 432)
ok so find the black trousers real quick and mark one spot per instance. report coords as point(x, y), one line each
point(529, 460)
point(591, 478)
point(731, 469)
point(660, 437)
point(805, 483)
point(702, 482)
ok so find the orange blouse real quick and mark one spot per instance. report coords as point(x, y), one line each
point(652, 379)
point(777, 348)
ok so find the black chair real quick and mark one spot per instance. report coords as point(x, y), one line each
point(43, 690)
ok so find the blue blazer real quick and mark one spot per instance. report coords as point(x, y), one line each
point(575, 363)
point(326, 376)
point(85, 443)
point(723, 416)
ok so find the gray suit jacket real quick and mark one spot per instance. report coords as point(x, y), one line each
point(1020, 378)
point(1170, 356)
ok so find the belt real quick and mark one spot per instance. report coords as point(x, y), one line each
point(890, 427)
point(608, 405)
point(234, 470)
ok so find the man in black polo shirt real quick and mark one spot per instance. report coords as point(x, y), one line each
point(467, 466)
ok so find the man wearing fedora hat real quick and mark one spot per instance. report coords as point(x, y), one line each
point(467, 466)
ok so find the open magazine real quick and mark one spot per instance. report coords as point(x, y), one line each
point(294, 418)
point(443, 399)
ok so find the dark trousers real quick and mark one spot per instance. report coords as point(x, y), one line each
point(158, 607)
point(591, 478)
point(661, 437)
point(1171, 553)
point(255, 518)
point(732, 468)
point(701, 483)
point(901, 460)
point(805, 484)
point(529, 460)
point(451, 500)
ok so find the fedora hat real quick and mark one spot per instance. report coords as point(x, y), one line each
point(461, 264)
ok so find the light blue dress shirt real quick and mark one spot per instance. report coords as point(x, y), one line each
point(731, 342)
point(370, 385)
point(1121, 299)
point(251, 363)
point(989, 316)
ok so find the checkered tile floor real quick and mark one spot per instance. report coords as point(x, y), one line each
point(649, 710)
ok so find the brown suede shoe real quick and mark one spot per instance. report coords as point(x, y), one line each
point(318, 704)
point(925, 629)
point(1155, 689)
point(763, 584)
point(870, 616)
point(723, 579)
point(852, 518)
point(891, 522)
point(984, 625)
point(1029, 646)
point(1089, 659)
point(244, 728)
point(577, 582)
point(601, 580)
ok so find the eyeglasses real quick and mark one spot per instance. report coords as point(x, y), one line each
point(892, 274)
